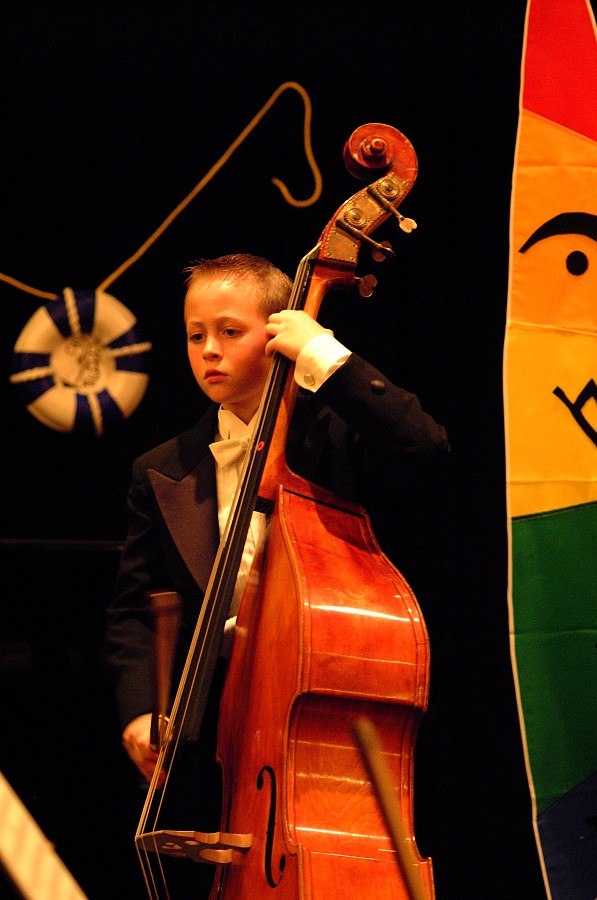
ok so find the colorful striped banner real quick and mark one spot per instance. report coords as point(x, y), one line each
point(550, 400)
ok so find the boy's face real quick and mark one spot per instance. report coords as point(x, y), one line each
point(226, 343)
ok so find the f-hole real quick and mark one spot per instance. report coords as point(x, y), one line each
point(271, 825)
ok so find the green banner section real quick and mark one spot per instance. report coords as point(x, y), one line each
point(554, 609)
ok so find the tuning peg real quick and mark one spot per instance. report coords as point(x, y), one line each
point(366, 285)
point(382, 251)
point(379, 252)
point(405, 223)
point(389, 189)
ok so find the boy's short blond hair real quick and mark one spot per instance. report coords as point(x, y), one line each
point(272, 286)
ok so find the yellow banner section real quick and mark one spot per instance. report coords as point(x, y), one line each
point(550, 366)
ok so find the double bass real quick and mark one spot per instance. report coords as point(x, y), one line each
point(330, 646)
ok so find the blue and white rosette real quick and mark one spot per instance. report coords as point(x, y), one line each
point(80, 364)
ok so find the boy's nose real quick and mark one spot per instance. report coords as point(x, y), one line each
point(211, 348)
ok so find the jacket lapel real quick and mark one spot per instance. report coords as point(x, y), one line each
point(189, 508)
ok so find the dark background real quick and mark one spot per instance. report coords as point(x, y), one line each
point(111, 114)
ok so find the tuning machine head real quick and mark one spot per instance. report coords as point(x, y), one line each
point(382, 251)
point(366, 285)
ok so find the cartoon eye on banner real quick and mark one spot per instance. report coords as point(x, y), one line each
point(80, 363)
point(550, 394)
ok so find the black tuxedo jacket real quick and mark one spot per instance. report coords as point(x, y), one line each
point(359, 436)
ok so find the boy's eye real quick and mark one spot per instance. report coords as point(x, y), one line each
point(231, 332)
point(196, 337)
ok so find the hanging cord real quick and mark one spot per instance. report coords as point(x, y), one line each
point(28, 289)
point(292, 201)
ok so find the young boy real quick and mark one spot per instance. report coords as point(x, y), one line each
point(352, 431)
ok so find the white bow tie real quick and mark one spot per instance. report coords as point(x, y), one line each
point(229, 450)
